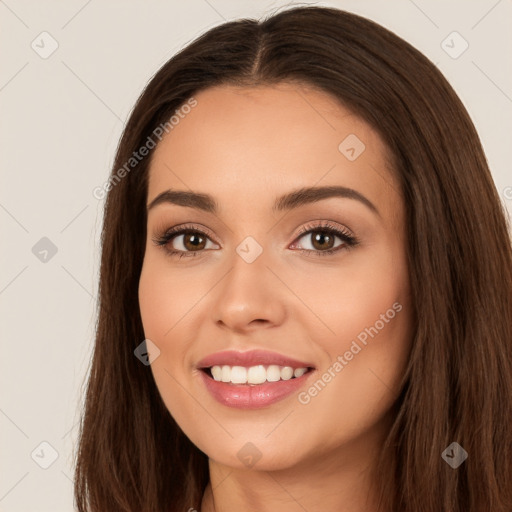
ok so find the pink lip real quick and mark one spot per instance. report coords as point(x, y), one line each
point(247, 396)
point(250, 358)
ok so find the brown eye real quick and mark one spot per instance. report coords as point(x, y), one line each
point(322, 240)
point(185, 242)
point(192, 241)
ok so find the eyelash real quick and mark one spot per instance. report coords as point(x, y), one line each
point(348, 239)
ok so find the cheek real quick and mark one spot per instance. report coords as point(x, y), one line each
point(369, 311)
point(166, 299)
point(164, 302)
point(154, 301)
point(353, 295)
point(367, 302)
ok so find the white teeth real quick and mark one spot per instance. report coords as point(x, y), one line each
point(216, 372)
point(273, 373)
point(255, 374)
point(226, 374)
point(299, 372)
point(287, 373)
point(238, 375)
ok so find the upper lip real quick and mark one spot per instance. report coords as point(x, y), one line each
point(250, 358)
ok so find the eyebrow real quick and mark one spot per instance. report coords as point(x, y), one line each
point(289, 201)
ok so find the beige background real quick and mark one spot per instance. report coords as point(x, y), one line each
point(61, 118)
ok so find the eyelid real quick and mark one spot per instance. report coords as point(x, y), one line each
point(325, 225)
point(180, 228)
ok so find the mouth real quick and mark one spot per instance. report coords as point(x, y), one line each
point(253, 379)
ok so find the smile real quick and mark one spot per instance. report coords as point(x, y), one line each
point(252, 379)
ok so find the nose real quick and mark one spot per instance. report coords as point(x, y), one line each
point(249, 297)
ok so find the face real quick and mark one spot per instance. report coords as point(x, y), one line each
point(318, 278)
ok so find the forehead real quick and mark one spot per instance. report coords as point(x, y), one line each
point(244, 144)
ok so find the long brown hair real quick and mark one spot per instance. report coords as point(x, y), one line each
point(132, 456)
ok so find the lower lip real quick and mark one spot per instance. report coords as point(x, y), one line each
point(245, 396)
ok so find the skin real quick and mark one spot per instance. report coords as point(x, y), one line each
point(245, 147)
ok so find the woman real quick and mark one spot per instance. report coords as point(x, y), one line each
point(341, 337)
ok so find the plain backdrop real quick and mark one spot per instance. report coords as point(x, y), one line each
point(62, 114)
